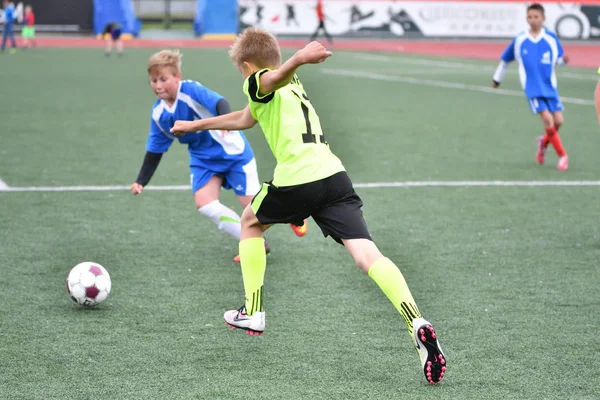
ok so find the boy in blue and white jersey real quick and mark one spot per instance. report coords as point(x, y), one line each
point(538, 51)
point(9, 22)
point(215, 160)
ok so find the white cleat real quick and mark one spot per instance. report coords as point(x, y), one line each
point(253, 324)
point(432, 357)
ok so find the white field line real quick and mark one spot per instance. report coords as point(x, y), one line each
point(406, 184)
point(463, 66)
point(3, 185)
point(443, 84)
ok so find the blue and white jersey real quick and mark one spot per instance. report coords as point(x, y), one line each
point(537, 57)
point(208, 149)
point(9, 13)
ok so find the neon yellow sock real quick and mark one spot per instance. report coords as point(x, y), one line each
point(253, 260)
point(390, 280)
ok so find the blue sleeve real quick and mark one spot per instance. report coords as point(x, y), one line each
point(203, 95)
point(157, 142)
point(509, 53)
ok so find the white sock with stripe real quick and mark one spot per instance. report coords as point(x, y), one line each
point(224, 217)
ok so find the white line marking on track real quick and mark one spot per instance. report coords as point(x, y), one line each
point(406, 184)
point(443, 84)
point(3, 185)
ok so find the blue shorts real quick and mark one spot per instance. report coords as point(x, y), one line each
point(242, 177)
point(115, 34)
point(539, 104)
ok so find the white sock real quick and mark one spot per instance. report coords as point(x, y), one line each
point(225, 218)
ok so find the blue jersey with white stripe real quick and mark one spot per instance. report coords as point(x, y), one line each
point(208, 149)
point(9, 13)
point(537, 57)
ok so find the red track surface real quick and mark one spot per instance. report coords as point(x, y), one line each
point(581, 55)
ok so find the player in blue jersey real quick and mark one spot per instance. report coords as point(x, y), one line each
point(115, 30)
point(538, 51)
point(215, 161)
point(9, 22)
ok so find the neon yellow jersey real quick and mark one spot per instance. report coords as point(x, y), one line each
point(293, 132)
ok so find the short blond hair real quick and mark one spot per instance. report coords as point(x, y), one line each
point(257, 46)
point(165, 59)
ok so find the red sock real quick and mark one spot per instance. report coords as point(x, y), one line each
point(554, 138)
point(545, 140)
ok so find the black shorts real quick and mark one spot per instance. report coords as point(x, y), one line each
point(332, 202)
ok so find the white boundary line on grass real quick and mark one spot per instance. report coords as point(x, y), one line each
point(3, 185)
point(406, 184)
point(443, 84)
point(461, 66)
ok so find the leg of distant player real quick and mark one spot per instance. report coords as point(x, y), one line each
point(543, 141)
point(327, 35)
point(108, 46)
point(6, 34)
point(119, 46)
point(12, 38)
point(558, 118)
point(552, 136)
point(563, 161)
point(208, 204)
point(319, 27)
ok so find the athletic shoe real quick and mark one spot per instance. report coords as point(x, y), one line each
point(253, 324)
point(432, 358)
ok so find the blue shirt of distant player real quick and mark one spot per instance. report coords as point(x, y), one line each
point(208, 149)
point(9, 13)
point(537, 57)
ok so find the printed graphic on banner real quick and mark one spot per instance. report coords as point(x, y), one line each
point(410, 19)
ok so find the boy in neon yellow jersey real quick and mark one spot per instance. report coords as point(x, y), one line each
point(309, 180)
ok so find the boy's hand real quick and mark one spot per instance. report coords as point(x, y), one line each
point(313, 53)
point(182, 127)
point(495, 84)
point(136, 188)
point(566, 58)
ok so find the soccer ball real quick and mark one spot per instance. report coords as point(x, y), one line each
point(88, 284)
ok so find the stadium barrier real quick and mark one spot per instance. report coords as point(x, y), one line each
point(420, 19)
point(485, 19)
point(216, 19)
point(106, 11)
point(57, 16)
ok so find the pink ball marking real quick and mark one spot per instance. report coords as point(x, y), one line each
point(94, 269)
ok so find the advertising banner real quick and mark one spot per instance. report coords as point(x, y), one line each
point(458, 19)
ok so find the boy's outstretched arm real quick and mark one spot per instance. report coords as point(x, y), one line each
point(499, 74)
point(507, 57)
point(151, 161)
point(312, 53)
point(234, 121)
